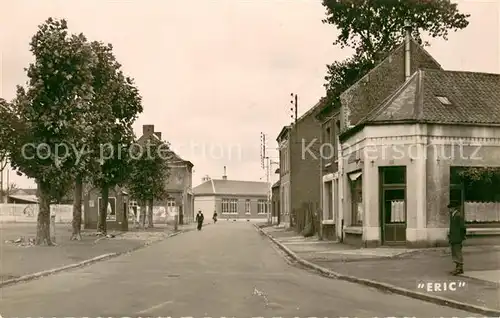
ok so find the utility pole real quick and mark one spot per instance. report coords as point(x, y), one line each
point(295, 107)
point(293, 134)
point(265, 162)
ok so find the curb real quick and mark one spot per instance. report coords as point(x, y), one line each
point(383, 286)
point(87, 262)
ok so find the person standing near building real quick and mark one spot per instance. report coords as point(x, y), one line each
point(199, 220)
point(215, 217)
point(456, 236)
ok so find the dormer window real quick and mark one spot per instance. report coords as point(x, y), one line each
point(444, 100)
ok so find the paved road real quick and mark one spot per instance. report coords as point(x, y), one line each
point(224, 270)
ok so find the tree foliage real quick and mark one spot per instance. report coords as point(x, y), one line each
point(125, 104)
point(480, 174)
point(373, 28)
point(53, 107)
point(342, 75)
point(150, 172)
point(50, 113)
point(6, 131)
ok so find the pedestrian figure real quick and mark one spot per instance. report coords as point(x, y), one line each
point(456, 236)
point(215, 217)
point(199, 220)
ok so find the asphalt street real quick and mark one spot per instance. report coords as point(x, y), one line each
point(225, 270)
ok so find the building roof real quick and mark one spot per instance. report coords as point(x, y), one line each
point(276, 184)
point(361, 93)
point(25, 197)
point(283, 131)
point(174, 157)
point(441, 97)
point(468, 97)
point(313, 110)
point(19, 192)
point(231, 187)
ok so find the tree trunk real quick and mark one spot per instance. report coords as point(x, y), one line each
point(142, 217)
point(150, 213)
point(43, 219)
point(103, 213)
point(77, 210)
point(134, 210)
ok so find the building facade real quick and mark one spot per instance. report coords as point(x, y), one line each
point(284, 173)
point(410, 147)
point(300, 152)
point(117, 211)
point(406, 129)
point(275, 203)
point(357, 101)
point(329, 166)
point(233, 199)
point(179, 188)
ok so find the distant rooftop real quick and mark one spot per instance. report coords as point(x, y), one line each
point(232, 187)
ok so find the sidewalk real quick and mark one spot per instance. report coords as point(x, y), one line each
point(405, 268)
point(18, 257)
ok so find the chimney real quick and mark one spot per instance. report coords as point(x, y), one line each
point(224, 177)
point(158, 134)
point(148, 129)
point(407, 49)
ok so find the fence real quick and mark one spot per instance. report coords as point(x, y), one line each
point(26, 213)
point(482, 212)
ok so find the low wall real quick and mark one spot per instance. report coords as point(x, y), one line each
point(28, 213)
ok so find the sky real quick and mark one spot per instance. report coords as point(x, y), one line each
point(214, 74)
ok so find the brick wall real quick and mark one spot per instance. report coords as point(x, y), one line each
point(304, 170)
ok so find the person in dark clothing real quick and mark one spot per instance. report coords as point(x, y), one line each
point(215, 217)
point(456, 236)
point(199, 220)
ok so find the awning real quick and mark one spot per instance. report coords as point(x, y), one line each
point(354, 176)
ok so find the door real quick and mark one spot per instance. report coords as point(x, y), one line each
point(393, 205)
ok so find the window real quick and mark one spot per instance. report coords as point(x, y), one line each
point(335, 139)
point(170, 202)
point(229, 206)
point(247, 206)
point(394, 175)
point(357, 201)
point(262, 207)
point(111, 210)
point(328, 204)
point(444, 100)
point(327, 145)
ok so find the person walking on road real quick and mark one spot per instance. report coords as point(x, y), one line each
point(215, 217)
point(199, 220)
point(456, 236)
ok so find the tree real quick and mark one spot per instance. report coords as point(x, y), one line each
point(342, 75)
point(100, 118)
point(125, 102)
point(6, 135)
point(149, 176)
point(373, 28)
point(50, 115)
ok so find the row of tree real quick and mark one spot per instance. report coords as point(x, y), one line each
point(77, 95)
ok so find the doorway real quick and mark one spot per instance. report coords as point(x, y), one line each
point(393, 204)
